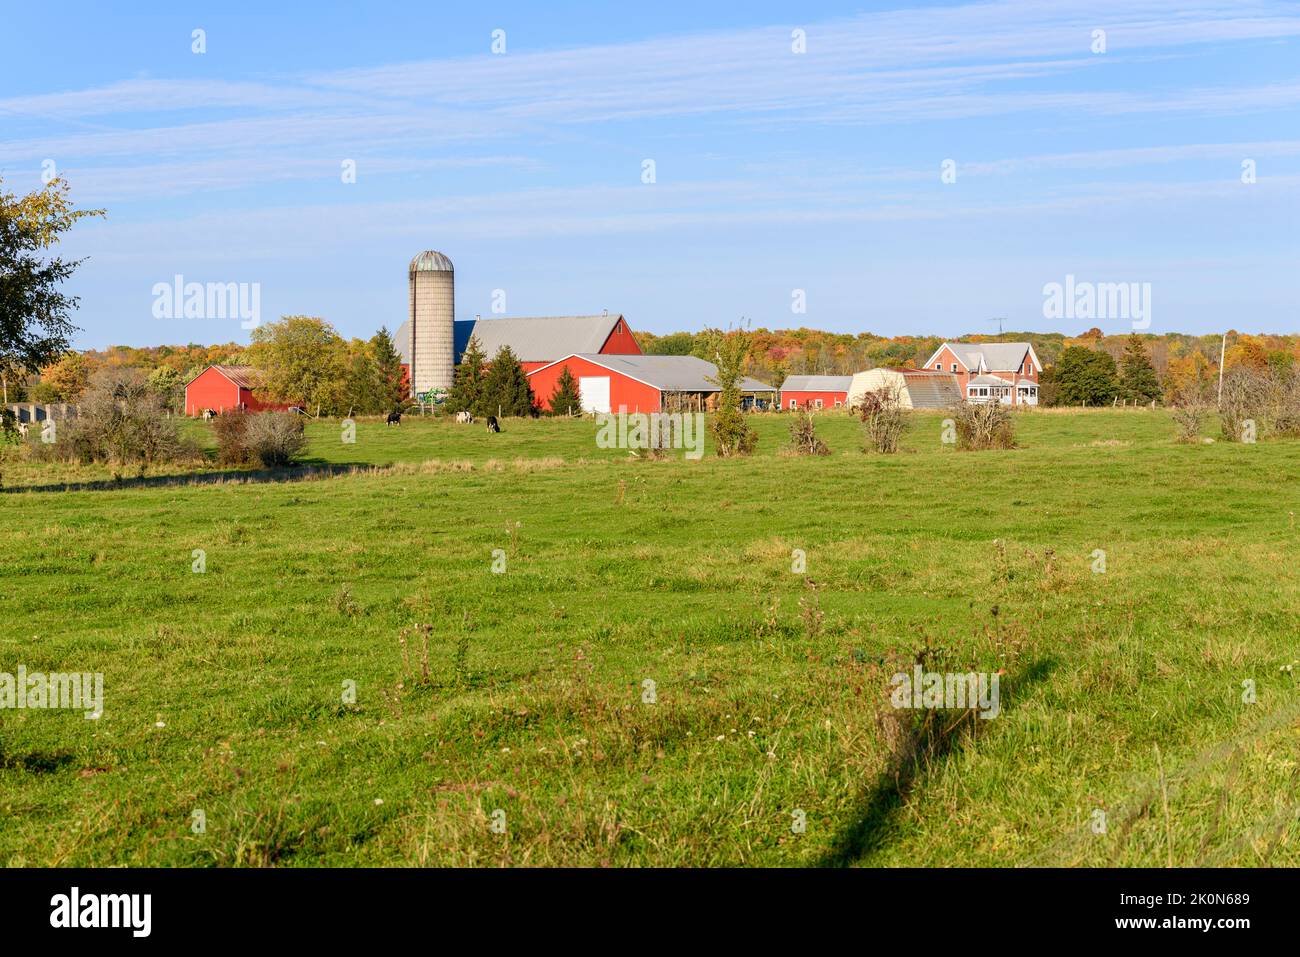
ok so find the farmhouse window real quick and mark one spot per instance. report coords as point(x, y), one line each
point(954, 367)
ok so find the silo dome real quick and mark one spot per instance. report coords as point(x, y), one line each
point(431, 261)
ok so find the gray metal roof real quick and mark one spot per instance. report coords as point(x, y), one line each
point(816, 383)
point(532, 339)
point(431, 261)
point(988, 380)
point(997, 356)
point(672, 373)
point(933, 391)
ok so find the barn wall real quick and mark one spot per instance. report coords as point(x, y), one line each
point(211, 390)
point(807, 400)
point(621, 342)
point(623, 391)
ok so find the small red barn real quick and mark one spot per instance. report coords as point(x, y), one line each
point(223, 389)
point(815, 391)
point(636, 383)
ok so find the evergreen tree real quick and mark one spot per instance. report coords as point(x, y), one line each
point(392, 391)
point(1137, 377)
point(467, 386)
point(505, 389)
point(566, 400)
point(1083, 376)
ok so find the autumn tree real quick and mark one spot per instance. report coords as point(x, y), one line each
point(65, 379)
point(34, 325)
point(303, 360)
point(732, 434)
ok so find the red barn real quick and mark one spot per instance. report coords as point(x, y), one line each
point(224, 388)
point(815, 391)
point(636, 383)
point(537, 341)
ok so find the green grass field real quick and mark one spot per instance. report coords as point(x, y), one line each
point(1121, 693)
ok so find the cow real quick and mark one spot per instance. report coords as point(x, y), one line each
point(22, 429)
point(492, 424)
point(394, 418)
point(209, 414)
point(464, 417)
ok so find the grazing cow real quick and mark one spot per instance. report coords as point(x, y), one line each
point(464, 418)
point(394, 418)
point(492, 424)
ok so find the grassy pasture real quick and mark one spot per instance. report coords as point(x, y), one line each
point(223, 689)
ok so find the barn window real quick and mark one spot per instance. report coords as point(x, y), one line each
point(794, 403)
point(838, 403)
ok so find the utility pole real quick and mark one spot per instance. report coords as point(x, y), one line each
point(1223, 351)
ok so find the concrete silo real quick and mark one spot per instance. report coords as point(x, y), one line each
point(432, 346)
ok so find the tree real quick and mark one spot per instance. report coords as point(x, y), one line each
point(34, 325)
point(1082, 376)
point(732, 434)
point(169, 386)
point(505, 389)
point(1137, 377)
point(303, 359)
point(392, 387)
point(566, 399)
point(66, 378)
point(467, 386)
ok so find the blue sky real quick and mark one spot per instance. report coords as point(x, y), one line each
point(775, 171)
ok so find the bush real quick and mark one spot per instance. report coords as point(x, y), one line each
point(119, 421)
point(1248, 395)
point(1189, 416)
point(803, 436)
point(984, 425)
point(883, 418)
point(269, 439)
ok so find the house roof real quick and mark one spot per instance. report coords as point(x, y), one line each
point(989, 356)
point(988, 380)
point(245, 377)
point(532, 339)
point(666, 373)
point(816, 383)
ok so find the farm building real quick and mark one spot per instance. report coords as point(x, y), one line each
point(815, 391)
point(432, 341)
point(1005, 372)
point(225, 388)
point(916, 388)
point(637, 383)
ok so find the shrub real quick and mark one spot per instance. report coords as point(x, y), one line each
point(803, 436)
point(731, 433)
point(275, 438)
point(119, 421)
point(1248, 394)
point(1189, 416)
point(984, 425)
point(232, 445)
point(269, 439)
point(883, 418)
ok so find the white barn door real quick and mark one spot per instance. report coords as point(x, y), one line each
point(594, 391)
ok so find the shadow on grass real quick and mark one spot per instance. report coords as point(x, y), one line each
point(869, 830)
point(35, 762)
point(298, 473)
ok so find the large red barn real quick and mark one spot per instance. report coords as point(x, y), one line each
point(636, 383)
